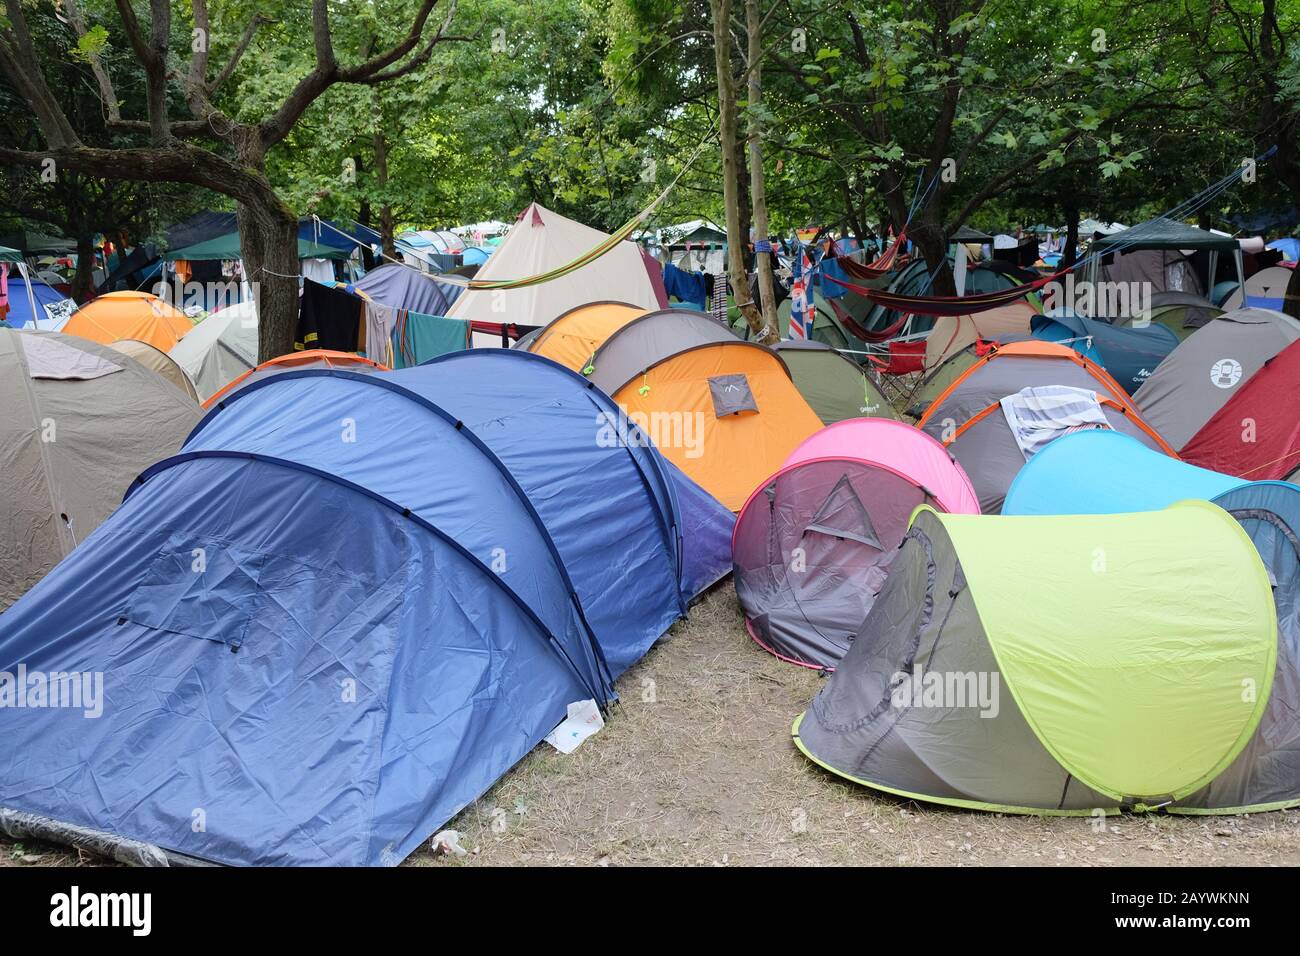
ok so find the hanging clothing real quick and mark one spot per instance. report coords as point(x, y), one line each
point(687, 286)
point(381, 320)
point(418, 338)
point(328, 318)
point(319, 270)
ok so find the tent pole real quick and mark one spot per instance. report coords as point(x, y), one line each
point(1241, 276)
point(1214, 271)
point(31, 296)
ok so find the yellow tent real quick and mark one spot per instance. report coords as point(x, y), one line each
point(726, 413)
point(129, 315)
point(572, 339)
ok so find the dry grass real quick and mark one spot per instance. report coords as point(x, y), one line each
point(696, 767)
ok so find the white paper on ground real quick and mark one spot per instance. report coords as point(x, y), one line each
point(584, 720)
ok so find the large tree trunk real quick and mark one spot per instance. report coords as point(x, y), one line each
point(927, 233)
point(730, 143)
point(757, 188)
point(268, 240)
point(83, 283)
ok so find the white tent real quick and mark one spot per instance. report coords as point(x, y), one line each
point(541, 241)
point(220, 348)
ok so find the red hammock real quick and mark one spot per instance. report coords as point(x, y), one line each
point(883, 265)
point(850, 323)
point(944, 304)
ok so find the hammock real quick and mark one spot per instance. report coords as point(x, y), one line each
point(850, 323)
point(945, 304)
point(884, 264)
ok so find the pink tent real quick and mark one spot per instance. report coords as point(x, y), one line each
point(813, 544)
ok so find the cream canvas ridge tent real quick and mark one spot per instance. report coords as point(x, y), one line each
point(220, 348)
point(539, 242)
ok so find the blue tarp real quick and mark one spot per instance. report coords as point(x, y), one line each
point(20, 309)
point(1129, 354)
point(1105, 472)
point(347, 607)
point(1289, 247)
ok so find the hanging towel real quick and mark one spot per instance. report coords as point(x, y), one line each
point(381, 320)
point(1040, 414)
point(418, 338)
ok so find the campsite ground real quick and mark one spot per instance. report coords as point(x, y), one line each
point(696, 767)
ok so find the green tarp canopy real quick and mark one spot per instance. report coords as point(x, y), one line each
point(1164, 234)
point(10, 255)
point(227, 247)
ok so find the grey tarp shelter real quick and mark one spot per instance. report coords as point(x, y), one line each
point(1208, 368)
point(1165, 235)
point(111, 419)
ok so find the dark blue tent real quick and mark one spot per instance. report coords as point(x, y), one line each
point(345, 609)
point(1130, 354)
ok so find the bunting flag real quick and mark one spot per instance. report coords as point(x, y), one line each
point(801, 309)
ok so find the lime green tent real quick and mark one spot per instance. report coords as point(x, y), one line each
point(227, 247)
point(1056, 665)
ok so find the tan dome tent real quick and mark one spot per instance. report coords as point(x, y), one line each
point(835, 386)
point(649, 337)
point(1019, 382)
point(157, 361)
point(1008, 666)
point(1208, 368)
point(82, 421)
point(951, 334)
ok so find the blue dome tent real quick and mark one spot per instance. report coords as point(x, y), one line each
point(344, 610)
point(1129, 353)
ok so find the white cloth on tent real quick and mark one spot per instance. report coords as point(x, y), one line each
point(318, 270)
point(1040, 414)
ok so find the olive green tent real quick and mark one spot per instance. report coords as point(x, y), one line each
point(1055, 664)
point(227, 248)
point(836, 387)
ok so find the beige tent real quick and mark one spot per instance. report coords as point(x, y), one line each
point(541, 241)
point(157, 361)
point(82, 421)
point(951, 334)
point(221, 348)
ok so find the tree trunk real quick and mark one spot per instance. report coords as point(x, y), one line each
point(927, 233)
point(757, 188)
point(268, 241)
point(1070, 254)
point(729, 141)
point(83, 283)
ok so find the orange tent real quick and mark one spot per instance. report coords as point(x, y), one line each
point(129, 315)
point(310, 358)
point(725, 413)
point(572, 339)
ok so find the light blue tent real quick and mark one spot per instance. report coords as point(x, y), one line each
point(475, 255)
point(344, 610)
point(1104, 472)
